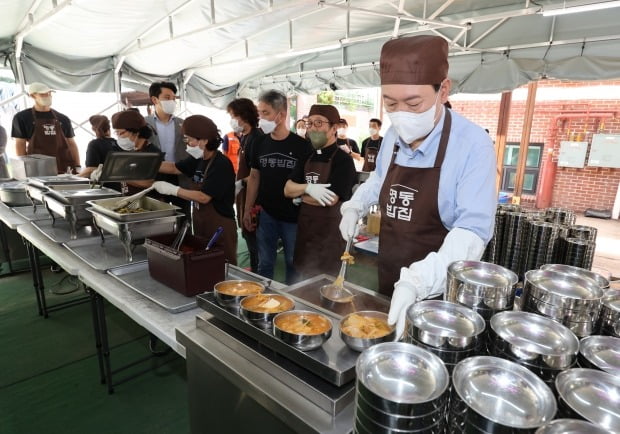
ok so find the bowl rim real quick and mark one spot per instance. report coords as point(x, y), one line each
point(301, 312)
point(243, 300)
point(236, 281)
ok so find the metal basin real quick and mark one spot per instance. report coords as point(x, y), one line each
point(570, 426)
point(503, 392)
point(360, 343)
point(442, 324)
point(601, 352)
point(591, 394)
point(302, 329)
point(536, 338)
point(402, 378)
point(602, 281)
point(480, 279)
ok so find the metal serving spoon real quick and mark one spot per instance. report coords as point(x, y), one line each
point(336, 291)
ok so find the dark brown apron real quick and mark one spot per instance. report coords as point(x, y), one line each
point(411, 227)
point(49, 139)
point(206, 221)
point(319, 245)
point(370, 159)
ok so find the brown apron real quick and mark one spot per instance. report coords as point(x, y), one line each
point(206, 221)
point(319, 244)
point(370, 159)
point(411, 227)
point(49, 139)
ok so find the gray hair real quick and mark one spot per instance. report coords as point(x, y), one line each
point(274, 98)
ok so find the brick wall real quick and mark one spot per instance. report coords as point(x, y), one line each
point(573, 188)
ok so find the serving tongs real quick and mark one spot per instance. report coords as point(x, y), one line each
point(131, 202)
point(336, 291)
point(178, 240)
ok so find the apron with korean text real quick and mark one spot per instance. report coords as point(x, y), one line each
point(49, 139)
point(319, 244)
point(411, 227)
point(206, 221)
point(370, 159)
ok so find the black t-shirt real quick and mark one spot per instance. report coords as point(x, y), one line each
point(276, 159)
point(97, 150)
point(342, 176)
point(247, 145)
point(219, 181)
point(350, 143)
point(370, 143)
point(23, 123)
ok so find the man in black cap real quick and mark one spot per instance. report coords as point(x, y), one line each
point(434, 179)
point(322, 180)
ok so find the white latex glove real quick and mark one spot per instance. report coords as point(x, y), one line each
point(297, 201)
point(95, 174)
point(405, 294)
point(320, 193)
point(348, 224)
point(166, 188)
point(238, 186)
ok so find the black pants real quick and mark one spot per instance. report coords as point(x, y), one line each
point(250, 240)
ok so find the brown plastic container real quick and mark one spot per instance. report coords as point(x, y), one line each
point(191, 270)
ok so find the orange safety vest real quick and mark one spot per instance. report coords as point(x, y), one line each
point(233, 150)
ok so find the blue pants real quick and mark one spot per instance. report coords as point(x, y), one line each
point(267, 235)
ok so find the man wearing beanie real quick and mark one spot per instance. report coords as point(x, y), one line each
point(42, 130)
point(322, 180)
point(434, 180)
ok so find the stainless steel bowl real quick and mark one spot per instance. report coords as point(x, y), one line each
point(562, 290)
point(480, 279)
point(570, 426)
point(496, 303)
point(591, 394)
point(602, 281)
point(302, 341)
point(359, 343)
point(535, 338)
point(503, 392)
point(260, 317)
point(229, 293)
point(402, 378)
point(442, 324)
point(601, 352)
point(609, 318)
point(583, 314)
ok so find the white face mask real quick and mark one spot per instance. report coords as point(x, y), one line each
point(194, 151)
point(341, 131)
point(373, 131)
point(44, 101)
point(126, 144)
point(413, 126)
point(234, 124)
point(267, 126)
point(301, 132)
point(168, 106)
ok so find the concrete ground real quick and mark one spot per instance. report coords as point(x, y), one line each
point(607, 253)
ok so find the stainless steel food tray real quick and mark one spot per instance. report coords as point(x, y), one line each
point(103, 256)
point(31, 214)
point(333, 399)
point(137, 277)
point(155, 208)
point(61, 231)
point(44, 181)
point(334, 361)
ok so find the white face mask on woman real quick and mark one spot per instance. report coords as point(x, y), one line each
point(413, 126)
point(194, 151)
point(126, 144)
point(236, 127)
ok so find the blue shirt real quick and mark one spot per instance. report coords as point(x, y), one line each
point(165, 133)
point(467, 198)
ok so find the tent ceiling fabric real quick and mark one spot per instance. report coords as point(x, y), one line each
point(222, 48)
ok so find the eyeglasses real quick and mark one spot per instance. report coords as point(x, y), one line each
point(317, 123)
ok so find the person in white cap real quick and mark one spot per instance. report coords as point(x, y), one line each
point(42, 130)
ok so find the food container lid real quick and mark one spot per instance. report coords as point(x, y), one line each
point(42, 181)
point(564, 285)
point(535, 333)
point(130, 166)
point(16, 186)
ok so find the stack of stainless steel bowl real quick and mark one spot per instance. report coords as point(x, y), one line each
point(587, 233)
point(609, 318)
point(562, 216)
point(591, 395)
point(571, 300)
point(449, 330)
point(570, 426)
point(542, 238)
point(601, 280)
point(600, 352)
point(514, 241)
point(493, 395)
point(494, 250)
point(485, 288)
point(400, 388)
point(577, 252)
point(539, 343)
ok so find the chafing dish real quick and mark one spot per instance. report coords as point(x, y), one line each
point(13, 193)
point(152, 209)
point(38, 185)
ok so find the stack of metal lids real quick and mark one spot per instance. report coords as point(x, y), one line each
point(541, 237)
point(400, 388)
point(514, 241)
point(591, 395)
point(562, 216)
point(587, 233)
point(609, 318)
point(494, 395)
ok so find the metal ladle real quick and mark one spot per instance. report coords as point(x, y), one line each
point(336, 291)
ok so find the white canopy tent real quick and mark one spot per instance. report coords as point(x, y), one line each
point(219, 49)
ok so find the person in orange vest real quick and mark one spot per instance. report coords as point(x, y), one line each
point(230, 147)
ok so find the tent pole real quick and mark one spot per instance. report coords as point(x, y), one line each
point(502, 132)
point(525, 141)
point(118, 64)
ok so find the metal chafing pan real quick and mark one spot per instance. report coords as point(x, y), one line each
point(153, 209)
point(13, 193)
point(46, 181)
point(591, 394)
point(539, 340)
